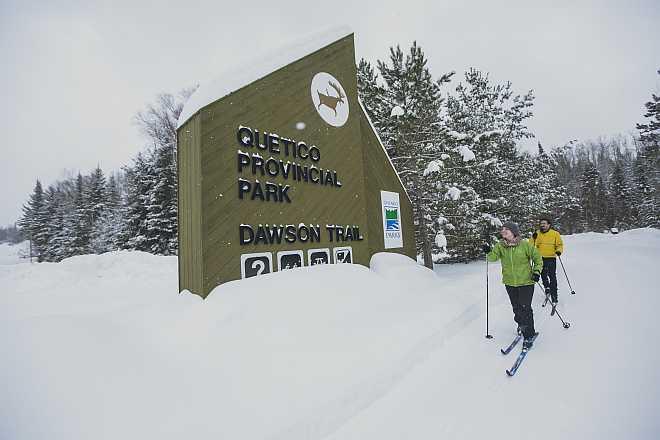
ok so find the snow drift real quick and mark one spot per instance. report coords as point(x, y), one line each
point(104, 347)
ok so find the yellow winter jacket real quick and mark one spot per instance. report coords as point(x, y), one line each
point(548, 243)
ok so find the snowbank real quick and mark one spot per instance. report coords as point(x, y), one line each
point(104, 347)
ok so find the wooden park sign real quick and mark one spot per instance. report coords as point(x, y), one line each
point(280, 167)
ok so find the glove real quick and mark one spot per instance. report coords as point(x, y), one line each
point(536, 277)
point(558, 253)
point(485, 248)
point(534, 235)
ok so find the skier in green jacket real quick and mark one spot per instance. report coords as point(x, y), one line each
point(521, 268)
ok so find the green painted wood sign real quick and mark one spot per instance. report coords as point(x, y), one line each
point(280, 168)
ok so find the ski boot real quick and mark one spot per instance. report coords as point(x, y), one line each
point(529, 342)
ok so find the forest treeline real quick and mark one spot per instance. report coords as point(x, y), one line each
point(457, 144)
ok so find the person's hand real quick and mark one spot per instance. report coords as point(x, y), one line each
point(534, 235)
point(536, 277)
point(558, 253)
point(486, 248)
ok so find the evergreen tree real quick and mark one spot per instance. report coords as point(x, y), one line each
point(109, 229)
point(157, 218)
point(95, 196)
point(96, 201)
point(593, 198)
point(139, 186)
point(650, 131)
point(371, 95)
point(60, 235)
point(113, 193)
point(77, 222)
point(647, 166)
point(33, 222)
point(161, 207)
point(620, 192)
point(407, 115)
point(484, 123)
point(645, 175)
point(51, 226)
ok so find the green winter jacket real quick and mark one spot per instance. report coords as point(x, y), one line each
point(516, 267)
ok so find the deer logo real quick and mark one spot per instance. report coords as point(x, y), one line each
point(329, 98)
point(331, 101)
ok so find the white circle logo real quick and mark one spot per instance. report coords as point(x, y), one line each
point(329, 98)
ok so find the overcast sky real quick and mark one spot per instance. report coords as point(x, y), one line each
point(74, 73)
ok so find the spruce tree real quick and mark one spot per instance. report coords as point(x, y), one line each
point(158, 218)
point(620, 193)
point(645, 191)
point(484, 122)
point(371, 95)
point(33, 222)
point(95, 196)
point(161, 219)
point(106, 233)
point(407, 115)
point(650, 131)
point(135, 234)
point(77, 221)
point(647, 166)
point(63, 206)
point(593, 200)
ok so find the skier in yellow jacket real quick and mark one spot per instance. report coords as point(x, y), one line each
point(550, 246)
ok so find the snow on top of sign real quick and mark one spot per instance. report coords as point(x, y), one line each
point(240, 76)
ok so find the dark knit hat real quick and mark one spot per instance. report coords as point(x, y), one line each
point(513, 227)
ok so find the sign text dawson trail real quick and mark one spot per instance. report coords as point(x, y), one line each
point(286, 171)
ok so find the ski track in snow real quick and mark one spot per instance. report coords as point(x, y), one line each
point(416, 365)
point(328, 418)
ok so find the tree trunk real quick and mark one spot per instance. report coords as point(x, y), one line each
point(424, 237)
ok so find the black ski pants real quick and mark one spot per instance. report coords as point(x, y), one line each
point(521, 301)
point(549, 276)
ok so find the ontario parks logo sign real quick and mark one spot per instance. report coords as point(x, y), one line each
point(392, 232)
point(392, 219)
point(329, 98)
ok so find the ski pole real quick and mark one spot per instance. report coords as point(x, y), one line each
point(569, 283)
point(565, 324)
point(488, 335)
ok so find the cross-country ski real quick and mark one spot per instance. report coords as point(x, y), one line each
point(521, 357)
point(510, 347)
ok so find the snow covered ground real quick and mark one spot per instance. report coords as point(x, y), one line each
point(104, 347)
